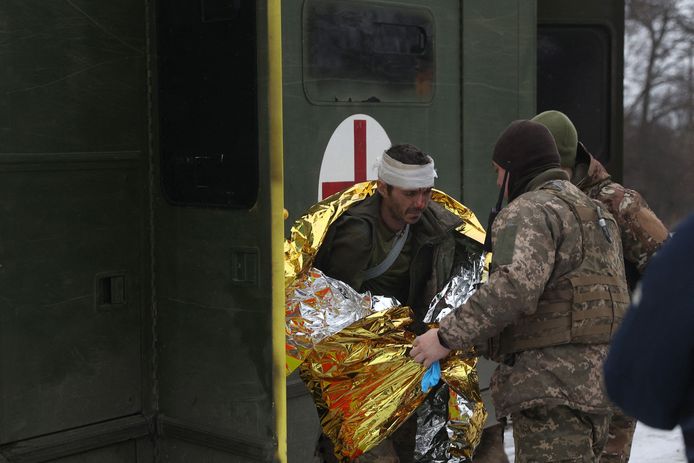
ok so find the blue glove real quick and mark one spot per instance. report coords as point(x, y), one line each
point(431, 376)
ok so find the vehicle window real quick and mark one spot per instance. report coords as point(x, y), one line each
point(207, 100)
point(573, 76)
point(367, 52)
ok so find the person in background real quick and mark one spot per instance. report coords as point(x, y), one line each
point(398, 243)
point(641, 233)
point(649, 371)
point(555, 291)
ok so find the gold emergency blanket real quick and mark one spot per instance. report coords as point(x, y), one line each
point(354, 349)
point(308, 232)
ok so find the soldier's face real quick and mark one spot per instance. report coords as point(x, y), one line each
point(500, 173)
point(400, 206)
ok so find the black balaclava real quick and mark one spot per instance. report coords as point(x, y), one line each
point(525, 149)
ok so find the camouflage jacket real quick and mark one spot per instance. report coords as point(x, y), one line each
point(642, 232)
point(536, 239)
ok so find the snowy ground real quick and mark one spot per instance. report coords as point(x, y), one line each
point(650, 445)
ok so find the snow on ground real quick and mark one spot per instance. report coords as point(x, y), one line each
point(657, 446)
point(650, 445)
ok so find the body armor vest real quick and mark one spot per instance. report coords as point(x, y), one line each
point(585, 305)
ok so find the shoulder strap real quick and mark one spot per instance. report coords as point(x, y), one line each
point(378, 270)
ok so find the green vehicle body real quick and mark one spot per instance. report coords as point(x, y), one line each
point(140, 270)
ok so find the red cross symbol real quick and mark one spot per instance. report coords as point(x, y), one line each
point(328, 188)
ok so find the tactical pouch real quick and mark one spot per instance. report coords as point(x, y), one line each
point(599, 304)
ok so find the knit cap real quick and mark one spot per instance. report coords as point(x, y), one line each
point(564, 133)
point(525, 149)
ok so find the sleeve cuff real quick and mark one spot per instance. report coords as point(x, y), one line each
point(441, 340)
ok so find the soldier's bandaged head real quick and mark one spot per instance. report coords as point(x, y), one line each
point(406, 176)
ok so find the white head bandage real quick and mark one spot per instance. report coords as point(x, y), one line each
point(406, 176)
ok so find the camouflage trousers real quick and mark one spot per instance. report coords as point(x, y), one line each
point(621, 434)
point(559, 434)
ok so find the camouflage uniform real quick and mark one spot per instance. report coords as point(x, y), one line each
point(538, 239)
point(642, 233)
point(540, 427)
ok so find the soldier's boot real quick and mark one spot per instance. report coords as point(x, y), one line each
point(491, 447)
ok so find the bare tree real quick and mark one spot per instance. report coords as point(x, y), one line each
point(659, 103)
point(652, 21)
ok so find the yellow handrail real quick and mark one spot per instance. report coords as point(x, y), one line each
point(274, 18)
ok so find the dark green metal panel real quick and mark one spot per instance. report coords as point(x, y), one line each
point(176, 451)
point(121, 453)
point(494, 92)
point(115, 439)
point(213, 305)
point(66, 360)
point(593, 33)
point(72, 76)
point(74, 259)
point(498, 87)
point(433, 126)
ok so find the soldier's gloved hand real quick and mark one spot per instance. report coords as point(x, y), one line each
point(426, 349)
